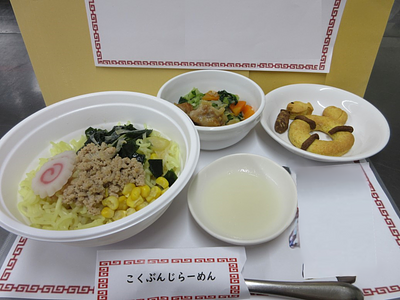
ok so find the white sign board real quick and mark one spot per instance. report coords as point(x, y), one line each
point(262, 35)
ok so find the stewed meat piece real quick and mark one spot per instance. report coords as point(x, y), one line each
point(207, 115)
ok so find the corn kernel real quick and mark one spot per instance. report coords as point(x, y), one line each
point(119, 214)
point(161, 181)
point(139, 202)
point(128, 188)
point(129, 201)
point(122, 203)
point(135, 193)
point(130, 211)
point(134, 202)
point(153, 156)
point(155, 192)
point(107, 212)
point(111, 202)
point(142, 205)
point(144, 191)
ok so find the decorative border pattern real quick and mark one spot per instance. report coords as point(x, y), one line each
point(329, 32)
point(384, 213)
point(209, 64)
point(393, 230)
point(381, 290)
point(36, 288)
point(14, 258)
point(233, 267)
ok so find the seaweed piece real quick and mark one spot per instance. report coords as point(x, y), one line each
point(156, 167)
point(171, 177)
point(122, 137)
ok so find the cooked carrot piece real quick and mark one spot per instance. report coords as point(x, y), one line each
point(247, 111)
point(237, 108)
point(211, 95)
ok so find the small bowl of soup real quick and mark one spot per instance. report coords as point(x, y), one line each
point(243, 199)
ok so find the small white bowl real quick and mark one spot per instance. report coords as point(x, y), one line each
point(214, 138)
point(243, 199)
point(371, 130)
point(29, 140)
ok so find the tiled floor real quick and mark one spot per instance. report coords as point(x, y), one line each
point(20, 94)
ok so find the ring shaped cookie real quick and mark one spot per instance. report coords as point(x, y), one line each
point(332, 123)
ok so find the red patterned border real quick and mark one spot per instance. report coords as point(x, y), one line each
point(381, 290)
point(384, 213)
point(35, 288)
point(104, 271)
point(209, 64)
point(393, 230)
point(14, 258)
point(329, 32)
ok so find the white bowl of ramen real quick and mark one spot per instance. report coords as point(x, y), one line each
point(218, 137)
point(23, 145)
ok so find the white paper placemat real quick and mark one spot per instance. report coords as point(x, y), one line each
point(42, 270)
point(335, 204)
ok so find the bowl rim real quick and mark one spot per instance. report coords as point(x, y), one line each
point(252, 118)
point(11, 224)
point(247, 242)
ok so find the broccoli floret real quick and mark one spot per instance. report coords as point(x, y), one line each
point(193, 97)
point(228, 98)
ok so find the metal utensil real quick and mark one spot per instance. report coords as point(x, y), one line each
point(313, 290)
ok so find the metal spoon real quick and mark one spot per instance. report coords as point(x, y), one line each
point(315, 290)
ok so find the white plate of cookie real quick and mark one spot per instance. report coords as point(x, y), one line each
point(324, 123)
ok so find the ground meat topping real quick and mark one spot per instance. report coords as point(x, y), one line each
point(97, 169)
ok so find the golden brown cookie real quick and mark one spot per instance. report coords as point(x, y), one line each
point(335, 113)
point(297, 108)
point(332, 123)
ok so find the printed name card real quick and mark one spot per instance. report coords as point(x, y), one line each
point(187, 273)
